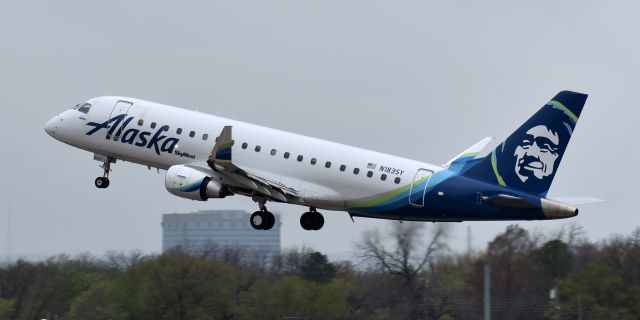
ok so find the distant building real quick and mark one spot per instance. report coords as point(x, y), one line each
point(220, 228)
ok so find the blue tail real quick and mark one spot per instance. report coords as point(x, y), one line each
point(529, 158)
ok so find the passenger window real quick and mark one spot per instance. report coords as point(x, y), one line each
point(165, 128)
point(313, 160)
point(383, 177)
point(356, 170)
point(370, 174)
point(192, 134)
point(343, 167)
point(179, 131)
point(273, 152)
point(286, 155)
point(397, 180)
point(258, 148)
point(205, 136)
point(85, 108)
point(140, 122)
point(300, 157)
point(153, 125)
point(244, 145)
point(327, 164)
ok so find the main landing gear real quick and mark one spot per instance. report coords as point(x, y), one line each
point(103, 182)
point(262, 219)
point(312, 220)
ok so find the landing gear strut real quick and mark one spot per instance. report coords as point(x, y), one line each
point(262, 219)
point(312, 220)
point(103, 182)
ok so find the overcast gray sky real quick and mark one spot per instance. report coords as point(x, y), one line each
point(420, 79)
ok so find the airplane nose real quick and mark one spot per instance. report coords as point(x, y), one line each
point(51, 125)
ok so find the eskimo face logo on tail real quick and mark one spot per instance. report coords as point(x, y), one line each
point(537, 153)
point(529, 158)
point(118, 125)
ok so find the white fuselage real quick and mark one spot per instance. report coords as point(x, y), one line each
point(333, 186)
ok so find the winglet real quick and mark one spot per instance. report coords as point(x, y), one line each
point(471, 152)
point(222, 149)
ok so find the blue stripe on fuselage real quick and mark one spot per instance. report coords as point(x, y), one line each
point(460, 200)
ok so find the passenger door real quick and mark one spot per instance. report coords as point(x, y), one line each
point(121, 107)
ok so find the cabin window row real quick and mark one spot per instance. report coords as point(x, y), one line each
point(314, 161)
point(165, 128)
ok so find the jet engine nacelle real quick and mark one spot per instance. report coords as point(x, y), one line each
point(193, 184)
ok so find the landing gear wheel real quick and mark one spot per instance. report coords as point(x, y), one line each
point(318, 221)
point(270, 220)
point(306, 221)
point(258, 220)
point(311, 220)
point(262, 220)
point(102, 182)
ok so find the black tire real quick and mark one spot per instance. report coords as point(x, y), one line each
point(100, 183)
point(306, 221)
point(257, 220)
point(270, 220)
point(318, 221)
point(106, 183)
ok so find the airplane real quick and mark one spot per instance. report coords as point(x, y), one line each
point(207, 157)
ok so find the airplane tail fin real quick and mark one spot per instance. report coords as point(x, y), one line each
point(529, 158)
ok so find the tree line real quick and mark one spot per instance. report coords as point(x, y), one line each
point(404, 272)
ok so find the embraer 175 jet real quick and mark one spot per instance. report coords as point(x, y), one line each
point(212, 157)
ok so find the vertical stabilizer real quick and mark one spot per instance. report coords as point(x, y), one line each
point(529, 158)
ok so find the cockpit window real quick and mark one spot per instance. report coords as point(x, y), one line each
point(84, 107)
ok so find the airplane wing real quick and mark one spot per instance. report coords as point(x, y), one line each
point(471, 152)
point(242, 180)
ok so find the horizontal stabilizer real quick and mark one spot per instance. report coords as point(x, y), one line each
point(574, 201)
point(471, 152)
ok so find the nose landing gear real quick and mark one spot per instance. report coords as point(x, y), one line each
point(103, 182)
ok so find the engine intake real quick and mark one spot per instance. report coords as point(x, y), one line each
point(189, 183)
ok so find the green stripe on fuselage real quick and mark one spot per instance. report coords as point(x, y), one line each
point(385, 197)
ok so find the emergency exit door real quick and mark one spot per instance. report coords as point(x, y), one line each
point(419, 187)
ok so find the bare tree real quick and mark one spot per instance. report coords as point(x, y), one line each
point(571, 233)
point(406, 257)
